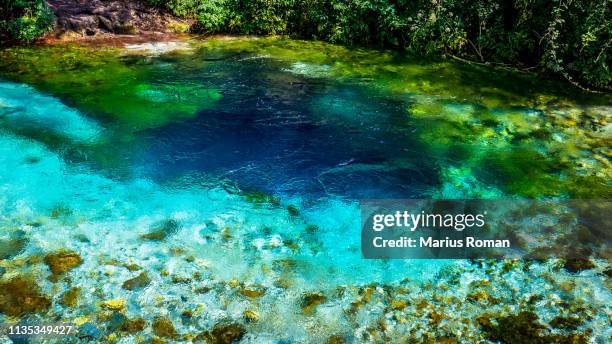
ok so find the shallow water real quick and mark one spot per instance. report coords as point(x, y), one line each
point(259, 150)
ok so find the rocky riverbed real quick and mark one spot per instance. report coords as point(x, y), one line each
point(199, 191)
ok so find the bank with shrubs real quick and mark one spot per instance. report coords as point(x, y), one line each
point(567, 39)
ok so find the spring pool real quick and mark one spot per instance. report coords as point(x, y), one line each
point(215, 184)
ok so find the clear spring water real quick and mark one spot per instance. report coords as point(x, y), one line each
point(101, 143)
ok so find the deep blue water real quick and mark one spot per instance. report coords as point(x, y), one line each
point(280, 133)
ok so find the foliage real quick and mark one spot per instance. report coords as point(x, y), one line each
point(568, 37)
point(25, 20)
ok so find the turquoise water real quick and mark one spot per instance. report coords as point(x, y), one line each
point(229, 172)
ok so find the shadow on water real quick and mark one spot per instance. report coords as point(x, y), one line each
point(276, 132)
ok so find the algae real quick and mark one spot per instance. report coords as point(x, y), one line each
point(164, 328)
point(70, 298)
point(61, 262)
point(138, 282)
point(310, 301)
point(20, 295)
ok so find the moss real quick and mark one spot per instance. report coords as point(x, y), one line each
point(138, 282)
point(71, 297)
point(61, 262)
point(21, 295)
point(164, 328)
point(310, 301)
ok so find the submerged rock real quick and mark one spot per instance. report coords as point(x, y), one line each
point(21, 295)
point(310, 301)
point(13, 246)
point(578, 264)
point(253, 291)
point(566, 323)
point(251, 315)
point(257, 197)
point(293, 210)
point(335, 339)
point(223, 334)
point(180, 280)
point(524, 327)
point(137, 282)
point(114, 305)
point(162, 230)
point(133, 325)
point(89, 331)
point(164, 328)
point(61, 262)
point(399, 304)
point(71, 297)
point(116, 321)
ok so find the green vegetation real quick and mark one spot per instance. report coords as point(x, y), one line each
point(24, 20)
point(497, 132)
point(569, 38)
point(107, 86)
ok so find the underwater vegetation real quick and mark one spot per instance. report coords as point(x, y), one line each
point(207, 191)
